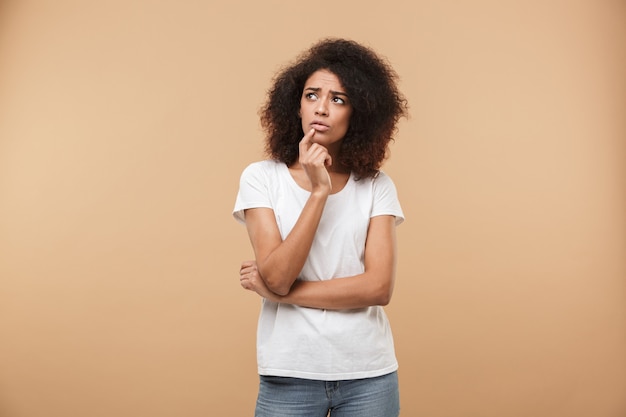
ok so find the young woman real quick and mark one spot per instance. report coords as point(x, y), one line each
point(321, 218)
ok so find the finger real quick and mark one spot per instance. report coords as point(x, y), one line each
point(318, 154)
point(249, 267)
point(246, 264)
point(305, 143)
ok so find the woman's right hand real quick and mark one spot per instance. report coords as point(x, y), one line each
point(281, 260)
point(314, 158)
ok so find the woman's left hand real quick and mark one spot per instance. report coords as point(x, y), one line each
point(251, 280)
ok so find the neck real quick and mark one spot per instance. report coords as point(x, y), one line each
point(333, 150)
point(339, 169)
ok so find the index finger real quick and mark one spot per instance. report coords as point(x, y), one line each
point(306, 140)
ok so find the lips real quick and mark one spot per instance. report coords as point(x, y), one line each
point(319, 126)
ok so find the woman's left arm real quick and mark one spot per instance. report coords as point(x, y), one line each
point(373, 287)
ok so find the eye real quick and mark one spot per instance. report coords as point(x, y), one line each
point(310, 96)
point(338, 100)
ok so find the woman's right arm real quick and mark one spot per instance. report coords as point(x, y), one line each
point(280, 261)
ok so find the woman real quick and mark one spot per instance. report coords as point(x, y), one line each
point(321, 219)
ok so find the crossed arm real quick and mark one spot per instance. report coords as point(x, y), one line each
point(278, 262)
point(273, 275)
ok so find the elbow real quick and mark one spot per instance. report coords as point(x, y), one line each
point(384, 298)
point(275, 284)
point(383, 293)
point(278, 288)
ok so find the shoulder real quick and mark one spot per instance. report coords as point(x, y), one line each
point(384, 187)
point(384, 183)
point(380, 181)
point(386, 197)
point(264, 165)
point(263, 168)
point(382, 178)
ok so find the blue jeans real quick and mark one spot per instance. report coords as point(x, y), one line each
point(295, 397)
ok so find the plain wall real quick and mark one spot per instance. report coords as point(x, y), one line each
point(124, 127)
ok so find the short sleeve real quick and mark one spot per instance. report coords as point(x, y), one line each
point(386, 198)
point(253, 190)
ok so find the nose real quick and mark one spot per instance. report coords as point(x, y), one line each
point(321, 108)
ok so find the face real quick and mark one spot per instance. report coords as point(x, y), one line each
point(325, 107)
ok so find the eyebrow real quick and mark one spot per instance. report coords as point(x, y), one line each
point(317, 89)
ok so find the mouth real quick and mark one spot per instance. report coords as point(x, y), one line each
point(319, 126)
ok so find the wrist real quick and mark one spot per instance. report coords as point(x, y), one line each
point(320, 192)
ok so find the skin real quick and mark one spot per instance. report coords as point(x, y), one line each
point(325, 111)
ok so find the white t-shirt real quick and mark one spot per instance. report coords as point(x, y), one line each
point(313, 343)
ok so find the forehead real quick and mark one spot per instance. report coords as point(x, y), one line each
point(323, 78)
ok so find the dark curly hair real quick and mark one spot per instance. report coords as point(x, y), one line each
point(370, 83)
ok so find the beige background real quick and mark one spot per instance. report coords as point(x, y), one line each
point(124, 126)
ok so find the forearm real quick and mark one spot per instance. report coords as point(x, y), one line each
point(280, 261)
point(358, 291)
point(281, 265)
point(372, 287)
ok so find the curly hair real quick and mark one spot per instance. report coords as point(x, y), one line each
point(370, 83)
